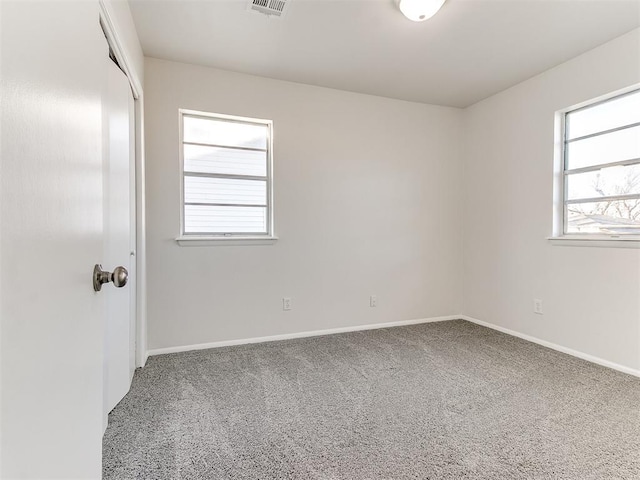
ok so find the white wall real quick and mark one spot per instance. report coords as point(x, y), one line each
point(364, 205)
point(368, 201)
point(591, 295)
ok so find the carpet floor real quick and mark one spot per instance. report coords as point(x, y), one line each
point(448, 400)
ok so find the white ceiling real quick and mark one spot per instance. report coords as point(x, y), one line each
point(470, 50)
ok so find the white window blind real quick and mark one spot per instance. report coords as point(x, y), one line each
point(226, 175)
point(601, 167)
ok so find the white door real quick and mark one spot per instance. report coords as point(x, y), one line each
point(51, 235)
point(119, 166)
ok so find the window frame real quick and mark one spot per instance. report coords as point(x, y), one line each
point(561, 174)
point(227, 238)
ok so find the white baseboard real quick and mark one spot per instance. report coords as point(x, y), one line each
point(288, 336)
point(356, 328)
point(553, 346)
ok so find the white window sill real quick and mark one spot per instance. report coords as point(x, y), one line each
point(595, 241)
point(198, 241)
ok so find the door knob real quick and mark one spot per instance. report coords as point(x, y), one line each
point(119, 277)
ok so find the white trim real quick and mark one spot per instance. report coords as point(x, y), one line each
point(198, 241)
point(212, 239)
point(601, 98)
point(375, 326)
point(289, 336)
point(224, 116)
point(118, 48)
point(560, 178)
point(610, 242)
point(554, 346)
point(141, 237)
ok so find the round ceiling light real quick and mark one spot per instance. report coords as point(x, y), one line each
point(420, 10)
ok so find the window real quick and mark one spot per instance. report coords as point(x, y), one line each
point(601, 168)
point(226, 176)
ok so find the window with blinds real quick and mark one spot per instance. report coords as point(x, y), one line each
point(601, 167)
point(226, 175)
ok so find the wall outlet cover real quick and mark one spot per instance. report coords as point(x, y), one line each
point(286, 304)
point(537, 306)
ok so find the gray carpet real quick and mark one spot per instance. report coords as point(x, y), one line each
point(448, 400)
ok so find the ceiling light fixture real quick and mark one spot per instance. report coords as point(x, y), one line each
point(419, 10)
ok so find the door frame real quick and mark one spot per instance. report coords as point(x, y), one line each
point(114, 38)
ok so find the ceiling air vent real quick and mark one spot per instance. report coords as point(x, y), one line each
point(273, 8)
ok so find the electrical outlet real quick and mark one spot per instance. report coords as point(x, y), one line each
point(373, 301)
point(286, 304)
point(537, 306)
